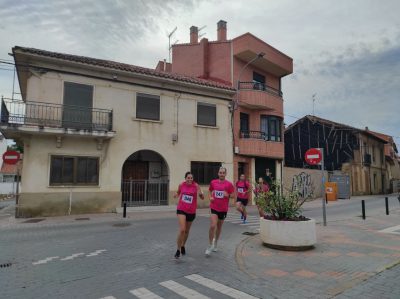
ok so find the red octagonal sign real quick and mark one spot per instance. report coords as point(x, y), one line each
point(313, 156)
point(11, 157)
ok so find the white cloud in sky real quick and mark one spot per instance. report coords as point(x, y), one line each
point(347, 52)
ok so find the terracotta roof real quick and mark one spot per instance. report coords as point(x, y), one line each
point(10, 169)
point(123, 67)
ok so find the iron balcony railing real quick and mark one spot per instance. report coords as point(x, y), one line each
point(55, 115)
point(259, 135)
point(260, 86)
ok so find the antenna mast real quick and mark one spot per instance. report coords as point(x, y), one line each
point(313, 103)
point(169, 43)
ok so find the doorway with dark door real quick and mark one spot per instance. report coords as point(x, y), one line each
point(145, 179)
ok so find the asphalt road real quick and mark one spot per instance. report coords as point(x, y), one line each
point(347, 209)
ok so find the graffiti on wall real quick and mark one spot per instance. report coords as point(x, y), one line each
point(302, 183)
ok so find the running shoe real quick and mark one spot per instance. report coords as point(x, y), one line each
point(209, 250)
point(177, 254)
point(183, 250)
point(241, 217)
point(244, 219)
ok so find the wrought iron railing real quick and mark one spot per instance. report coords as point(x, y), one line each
point(260, 86)
point(55, 115)
point(145, 192)
point(258, 135)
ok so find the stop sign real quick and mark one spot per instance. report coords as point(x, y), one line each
point(11, 157)
point(313, 156)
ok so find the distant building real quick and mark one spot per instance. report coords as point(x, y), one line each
point(356, 152)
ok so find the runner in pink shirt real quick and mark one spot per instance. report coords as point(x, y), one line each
point(186, 210)
point(221, 191)
point(242, 196)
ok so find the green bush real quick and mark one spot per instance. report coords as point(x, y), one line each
point(278, 206)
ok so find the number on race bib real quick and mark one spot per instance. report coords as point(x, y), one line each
point(218, 194)
point(187, 198)
point(241, 190)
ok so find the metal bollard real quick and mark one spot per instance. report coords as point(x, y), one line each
point(124, 210)
point(387, 205)
point(363, 208)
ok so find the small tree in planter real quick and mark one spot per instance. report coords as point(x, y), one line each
point(283, 226)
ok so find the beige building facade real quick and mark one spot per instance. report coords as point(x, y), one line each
point(98, 133)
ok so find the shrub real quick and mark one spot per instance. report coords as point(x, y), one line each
point(278, 206)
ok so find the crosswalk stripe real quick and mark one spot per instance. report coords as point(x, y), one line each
point(233, 293)
point(144, 293)
point(183, 291)
point(109, 297)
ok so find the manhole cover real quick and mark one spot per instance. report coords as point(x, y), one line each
point(121, 224)
point(83, 218)
point(35, 220)
point(6, 265)
point(250, 233)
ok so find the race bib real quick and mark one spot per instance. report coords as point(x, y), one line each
point(241, 190)
point(187, 198)
point(219, 194)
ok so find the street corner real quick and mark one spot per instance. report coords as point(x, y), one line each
point(346, 254)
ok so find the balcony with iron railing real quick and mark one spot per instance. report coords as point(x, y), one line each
point(260, 144)
point(46, 118)
point(255, 95)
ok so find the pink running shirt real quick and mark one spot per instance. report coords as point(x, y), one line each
point(220, 202)
point(242, 187)
point(187, 198)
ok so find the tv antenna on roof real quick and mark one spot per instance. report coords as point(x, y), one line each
point(313, 103)
point(169, 42)
point(201, 28)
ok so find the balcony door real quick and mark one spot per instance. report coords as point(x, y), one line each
point(78, 105)
point(244, 125)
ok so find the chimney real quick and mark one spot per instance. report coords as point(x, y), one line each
point(221, 31)
point(194, 35)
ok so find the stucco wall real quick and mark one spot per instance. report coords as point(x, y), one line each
point(309, 181)
point(178, 115)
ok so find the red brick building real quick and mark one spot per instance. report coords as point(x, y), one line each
point(255, 69)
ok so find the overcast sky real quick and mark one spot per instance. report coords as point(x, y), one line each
point(345, 52)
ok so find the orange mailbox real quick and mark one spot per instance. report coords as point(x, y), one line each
point(331, 191)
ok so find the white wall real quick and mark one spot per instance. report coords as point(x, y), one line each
point(178, 115)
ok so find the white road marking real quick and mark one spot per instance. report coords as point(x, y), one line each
point(391, 230)
point(47, 259)
point(109, 297)
point(71, 257)
point(183, 291)
point(144, 293)
point(97, 252)
point(216, 286)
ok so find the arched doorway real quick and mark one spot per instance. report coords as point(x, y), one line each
point(145, 179)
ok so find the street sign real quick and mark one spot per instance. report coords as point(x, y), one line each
point(313, 156)
point(11, 157)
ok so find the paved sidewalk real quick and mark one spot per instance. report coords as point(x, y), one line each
point(350, 258)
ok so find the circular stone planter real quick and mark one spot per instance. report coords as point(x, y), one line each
point(288, 235)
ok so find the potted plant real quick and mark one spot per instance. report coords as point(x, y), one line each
point(283, 226)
